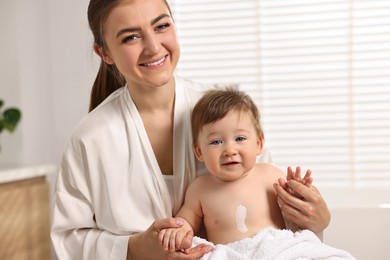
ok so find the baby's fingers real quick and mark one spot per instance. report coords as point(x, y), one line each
point(166, 238)
point(290, 173)
point(187, 240)
point(161, 236)
point(307, 179)
point(180, 236)
point(297, 174)
point(294, 175)
point(172, 242)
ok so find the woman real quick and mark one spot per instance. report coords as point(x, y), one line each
point(128, 163)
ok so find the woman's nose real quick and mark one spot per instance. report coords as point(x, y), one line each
point(152, 45)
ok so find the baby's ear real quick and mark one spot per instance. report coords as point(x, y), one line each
point(198, 152)
point(260, 142)
point(102, 54)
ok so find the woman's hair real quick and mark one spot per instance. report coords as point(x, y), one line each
point(217, 103)
point(108, 78)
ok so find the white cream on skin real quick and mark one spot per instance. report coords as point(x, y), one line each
point(240, 218)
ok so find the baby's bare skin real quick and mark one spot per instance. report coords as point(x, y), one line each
point(215, 202)
point(221, 200)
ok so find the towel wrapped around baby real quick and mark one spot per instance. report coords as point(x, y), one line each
point(275, 244)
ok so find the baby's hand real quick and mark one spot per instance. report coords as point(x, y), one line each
point(296, 176)
point(174, 239)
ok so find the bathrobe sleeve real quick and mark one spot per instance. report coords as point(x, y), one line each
point(75, 232)
point(109, 185)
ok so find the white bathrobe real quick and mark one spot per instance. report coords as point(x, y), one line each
point(109, 173)
point(109, 183)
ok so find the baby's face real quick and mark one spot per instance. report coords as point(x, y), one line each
point(229, 147)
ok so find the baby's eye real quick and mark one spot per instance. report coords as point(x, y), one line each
point(130, 38)
point(215, 142)
point(162, 26)
point(240, 138)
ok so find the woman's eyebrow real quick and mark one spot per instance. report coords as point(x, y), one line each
point(126, 30)
point(134, 29)
point(158, 18)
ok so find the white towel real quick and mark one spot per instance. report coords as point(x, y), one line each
point(271, 243)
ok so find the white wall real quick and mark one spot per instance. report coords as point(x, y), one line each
point(47, 69)
point(9, 77)
point(73, 66)
point(359, 221)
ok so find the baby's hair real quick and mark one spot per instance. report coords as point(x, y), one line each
point(216, 103)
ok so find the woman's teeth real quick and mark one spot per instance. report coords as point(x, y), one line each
point(155, 63)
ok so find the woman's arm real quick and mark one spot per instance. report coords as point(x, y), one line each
point(75, 234)
point(309, 212)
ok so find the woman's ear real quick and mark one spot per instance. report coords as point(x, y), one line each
point(102, 54)
point(198, 152)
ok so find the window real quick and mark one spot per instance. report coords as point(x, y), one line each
point(319, 71)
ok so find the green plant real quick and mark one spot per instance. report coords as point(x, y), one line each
point(9, 118)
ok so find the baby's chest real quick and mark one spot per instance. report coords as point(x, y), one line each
point(225, 208)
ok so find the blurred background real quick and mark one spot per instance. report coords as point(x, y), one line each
point(319, 71)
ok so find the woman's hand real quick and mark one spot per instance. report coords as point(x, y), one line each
point(146, 245)
point(302, 203)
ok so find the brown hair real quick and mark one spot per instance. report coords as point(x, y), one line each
point(108, 78)
point(216, 103)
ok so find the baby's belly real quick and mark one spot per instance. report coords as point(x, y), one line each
point(224, 233)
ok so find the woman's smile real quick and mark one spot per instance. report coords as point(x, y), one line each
point(155, 64)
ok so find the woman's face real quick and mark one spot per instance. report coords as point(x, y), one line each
point(141, 41)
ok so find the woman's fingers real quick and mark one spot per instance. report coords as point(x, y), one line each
point(290, 212)
point(189, 254)
point(307, 179)
point(286, 196)
point(310, 194)
point(309, 212)
point(165, 223)
point(192, 253)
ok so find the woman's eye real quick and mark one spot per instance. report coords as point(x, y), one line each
point(130, 38)
point(215, 142)
point(240, 139)
point(162, 26)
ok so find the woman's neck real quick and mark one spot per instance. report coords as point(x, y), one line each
point(156, 108)
point(150, 99)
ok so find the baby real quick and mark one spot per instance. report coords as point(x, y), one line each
point(236, 200)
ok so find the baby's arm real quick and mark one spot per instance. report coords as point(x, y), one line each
point(192, 215)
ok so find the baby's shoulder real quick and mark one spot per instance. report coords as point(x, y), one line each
point(268, 170)
point(202, 180)
point(199, 186)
